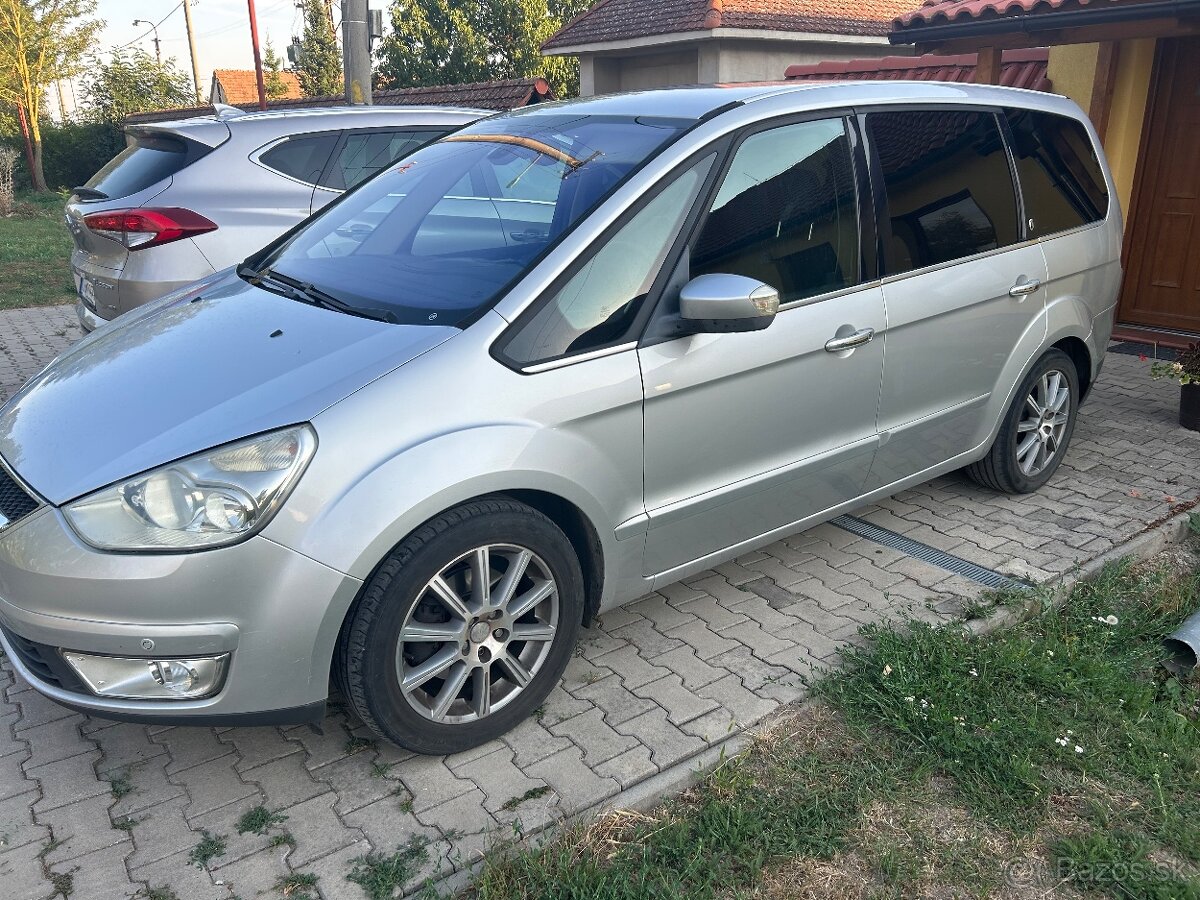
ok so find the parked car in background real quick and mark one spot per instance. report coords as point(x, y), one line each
point(185, 199)
point(543, 366)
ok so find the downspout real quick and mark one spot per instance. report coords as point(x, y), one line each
point(1183, 646)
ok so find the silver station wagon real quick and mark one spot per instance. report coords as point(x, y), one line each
point(540, 367)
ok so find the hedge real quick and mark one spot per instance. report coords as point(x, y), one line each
point(71, 153)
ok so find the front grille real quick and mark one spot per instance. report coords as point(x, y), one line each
point(44, 663)
point(15, 502)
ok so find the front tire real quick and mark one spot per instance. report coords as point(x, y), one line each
point(1036, 429)
point(464, 629)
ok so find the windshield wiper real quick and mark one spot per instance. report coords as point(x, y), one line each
point(306, 292)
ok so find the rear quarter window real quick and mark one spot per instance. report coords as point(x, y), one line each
point(302, 158)
point(145, 161)
point(1061, 180)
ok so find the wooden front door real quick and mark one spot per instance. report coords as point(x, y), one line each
point(1162, 281)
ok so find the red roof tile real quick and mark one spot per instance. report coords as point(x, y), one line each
point(944, 12)
point(616, 20)
point(241, 85)
point(1019, 68)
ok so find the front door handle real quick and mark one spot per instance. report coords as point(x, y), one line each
point(1024, 288)
point(850, 341)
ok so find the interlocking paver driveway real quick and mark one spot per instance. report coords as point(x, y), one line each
point(657, 682)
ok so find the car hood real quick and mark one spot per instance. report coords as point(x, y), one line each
point(193, 370)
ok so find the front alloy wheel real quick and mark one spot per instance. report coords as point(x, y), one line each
point(479, 634)
point(464, 629)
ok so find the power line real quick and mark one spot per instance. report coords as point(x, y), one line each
point(152, 27)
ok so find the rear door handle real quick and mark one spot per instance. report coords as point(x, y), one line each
point(1024, 288)
point(850, 341)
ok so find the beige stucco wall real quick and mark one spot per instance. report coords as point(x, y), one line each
point(711, 60)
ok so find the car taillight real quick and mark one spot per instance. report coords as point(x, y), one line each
point(141, 228)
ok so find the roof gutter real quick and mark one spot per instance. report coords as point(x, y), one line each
point(1032, 24)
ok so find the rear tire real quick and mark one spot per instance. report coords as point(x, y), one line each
point(464, 629)
point(1035, 430)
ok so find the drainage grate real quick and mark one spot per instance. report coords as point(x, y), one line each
point(932, 555)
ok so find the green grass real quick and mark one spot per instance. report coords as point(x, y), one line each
point(259, 820)
point(935, 762)
point(120, 784)
point(210, 847)
point(35, 253)
point(381, 875)
point(297, 886)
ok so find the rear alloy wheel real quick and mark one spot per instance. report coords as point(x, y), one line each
point(1036, 428)
point(464, 629)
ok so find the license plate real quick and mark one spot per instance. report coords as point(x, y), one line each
point(87, 290)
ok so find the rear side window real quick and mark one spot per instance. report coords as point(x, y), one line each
point(302, 158)
point(1061, 180)
point(363, 154)
point(146, 160)
point(948, 186)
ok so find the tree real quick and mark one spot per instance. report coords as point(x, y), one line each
point(41, 40)
point(320, 64)
point(273, 66)
point(130, 82)
point(448, 42)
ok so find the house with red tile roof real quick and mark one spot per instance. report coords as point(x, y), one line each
point(234, 86)
point(631, 44)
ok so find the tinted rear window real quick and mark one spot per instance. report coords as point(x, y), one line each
point(147, 160)
point(949, 187)
point(302, 158)
point(363, 154)
point(1061, 180)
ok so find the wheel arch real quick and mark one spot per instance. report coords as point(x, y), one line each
point(1081, 356)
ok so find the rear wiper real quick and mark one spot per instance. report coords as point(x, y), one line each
point(306, 292)
point(87, 193)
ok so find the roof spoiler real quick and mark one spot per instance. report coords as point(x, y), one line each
point(225, 111)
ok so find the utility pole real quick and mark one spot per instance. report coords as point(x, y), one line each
point(356, 52)
point(187, 18)
point(62, 101)
point(258, 72)
point(154, 28)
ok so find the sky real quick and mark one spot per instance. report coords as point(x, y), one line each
point(222, 33)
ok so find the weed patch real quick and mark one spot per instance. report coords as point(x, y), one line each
point(381, 875)
point(259, 820)
point(210, 847)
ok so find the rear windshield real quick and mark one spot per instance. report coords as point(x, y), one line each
point(146, 160)
point(444, 231)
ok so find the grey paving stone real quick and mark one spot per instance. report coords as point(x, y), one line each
point(159, 832)
point(254, 875)
point(13, 780)
point(431, 783)
point(576, 785)
point(741, 704)
point(667, 744)
point(635, 671)
point(102, 874)
point(599, 740)
point(80, 828)
point(323, 747)
point(124, 745)
point(353, 779)
point(694, 671)
point(189, 747)
point(331, 871)
point(212, 785)
point(663, 614)
point(185, 879)
point(387, 824)
point(67, 781)
point(713, 613)
point(38, 710)
point(531, 741)
point(681, 703)
point(17, 827)
point(465, 823)
point(56, 740)
point(613, 698)
point(499, 779)
point(258, 746)
point(286, 781)
point(317, 829)
point(629, 767)
point(21, 874)
point(150, 787)
point(703, 641)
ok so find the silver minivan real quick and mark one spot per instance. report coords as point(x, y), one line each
point(185, 199)
point(538, 368)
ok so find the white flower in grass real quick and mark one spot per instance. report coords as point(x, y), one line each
point(1107, 620)
point(1078, 749)
point(973, 673)
point(910, 699)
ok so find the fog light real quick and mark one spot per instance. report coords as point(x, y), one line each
point(150, 679)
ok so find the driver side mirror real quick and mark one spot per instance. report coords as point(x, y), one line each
point(726, 303)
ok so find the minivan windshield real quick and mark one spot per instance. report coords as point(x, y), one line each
point(443, 232)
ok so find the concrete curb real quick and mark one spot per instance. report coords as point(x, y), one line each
point(684, 774)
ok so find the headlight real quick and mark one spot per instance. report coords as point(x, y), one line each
point(207, 500)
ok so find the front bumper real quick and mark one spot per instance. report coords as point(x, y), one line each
point(276, 612)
